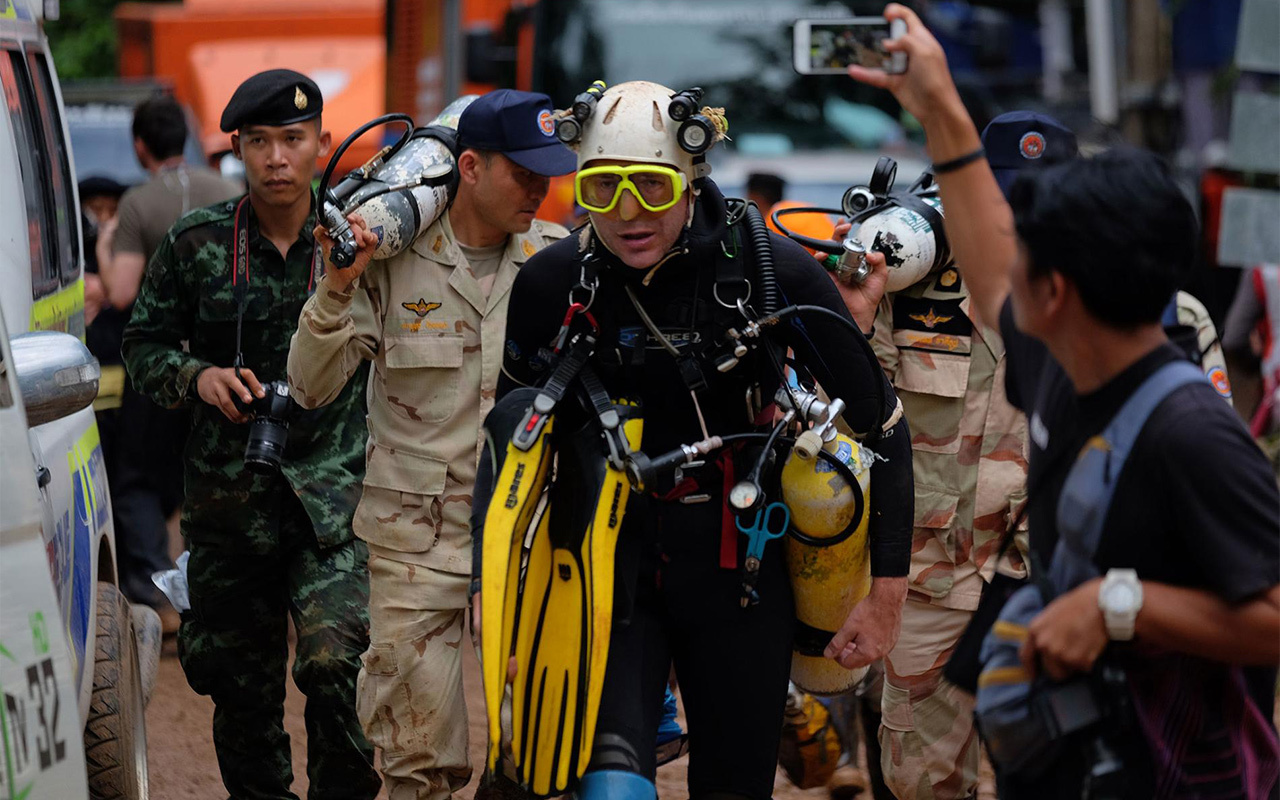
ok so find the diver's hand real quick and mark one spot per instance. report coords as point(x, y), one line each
point(871, 630)
point(475, 636)
point(1069, 635)
point(926, 89)
point(366, 244)
point(862, 299)
point(215, 385)
point(475, 619)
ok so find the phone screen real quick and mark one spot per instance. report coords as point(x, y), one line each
point(830, 46)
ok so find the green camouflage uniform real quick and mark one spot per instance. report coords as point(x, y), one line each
point(969, 453)
point(261, 547)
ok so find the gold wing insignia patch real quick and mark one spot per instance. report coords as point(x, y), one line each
point(422, 307)
point(930, 320)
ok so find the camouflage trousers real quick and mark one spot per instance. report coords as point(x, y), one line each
point(929, 748)
point(233, 646)
point(409, 695)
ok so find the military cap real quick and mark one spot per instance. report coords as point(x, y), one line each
point(274, 97)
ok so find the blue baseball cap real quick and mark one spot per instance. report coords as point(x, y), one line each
point(1021, 140)
point(521, 126)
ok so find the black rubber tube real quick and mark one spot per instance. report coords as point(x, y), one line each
point(762, 252)
point(385, 119)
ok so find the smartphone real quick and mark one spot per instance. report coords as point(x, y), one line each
point(829, 46)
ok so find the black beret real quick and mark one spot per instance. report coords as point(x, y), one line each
point(274, 97)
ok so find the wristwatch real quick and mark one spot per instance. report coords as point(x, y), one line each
point(1120, 598)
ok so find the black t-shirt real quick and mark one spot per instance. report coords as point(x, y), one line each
point(1196, 505)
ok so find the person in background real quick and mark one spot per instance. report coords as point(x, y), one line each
point(766, 190)
point(148, 211)
point(146, 482)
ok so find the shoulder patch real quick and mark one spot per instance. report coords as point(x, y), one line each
point(948, 281)
point(550, 230)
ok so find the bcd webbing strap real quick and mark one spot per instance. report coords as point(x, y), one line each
point(1091, 483)
point(607, 414)
point(552, 392)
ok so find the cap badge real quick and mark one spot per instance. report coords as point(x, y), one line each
point(545, 123)
point(1031, 145)
point(299, 99)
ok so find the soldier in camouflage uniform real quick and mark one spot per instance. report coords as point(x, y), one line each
point(432, 320)
point(264, 548)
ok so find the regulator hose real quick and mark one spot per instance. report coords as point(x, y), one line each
point(762, 251)
point(385, 119)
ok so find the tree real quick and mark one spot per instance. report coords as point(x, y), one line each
point(83, 40)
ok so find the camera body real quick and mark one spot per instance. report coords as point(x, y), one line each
point(270, 416)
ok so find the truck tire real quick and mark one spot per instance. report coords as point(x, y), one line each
point(115, 735)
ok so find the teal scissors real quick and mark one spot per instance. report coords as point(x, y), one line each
point(761, 530)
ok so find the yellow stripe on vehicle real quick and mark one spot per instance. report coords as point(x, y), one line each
point(59, 310)
point(110, 388)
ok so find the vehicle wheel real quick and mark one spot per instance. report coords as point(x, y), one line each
point(115, 735)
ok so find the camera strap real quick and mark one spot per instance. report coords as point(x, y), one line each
point(1091, 483)
point(240, 268)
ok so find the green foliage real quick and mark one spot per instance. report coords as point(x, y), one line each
point(83, 40)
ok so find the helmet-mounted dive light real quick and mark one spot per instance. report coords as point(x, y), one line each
point(696, 134)
point(684, 104)
point(585, 103)
point(568, 129)
point(569, 123)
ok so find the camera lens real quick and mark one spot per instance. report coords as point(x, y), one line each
point(265, 447)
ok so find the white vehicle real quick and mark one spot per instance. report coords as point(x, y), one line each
point(113, 648)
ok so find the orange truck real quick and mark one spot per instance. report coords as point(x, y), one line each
point(414, 56)
point(206, 48)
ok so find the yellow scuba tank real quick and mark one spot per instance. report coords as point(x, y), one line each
point(827, 581)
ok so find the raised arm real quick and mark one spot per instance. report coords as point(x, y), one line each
point(340, 325)
point(979, 220)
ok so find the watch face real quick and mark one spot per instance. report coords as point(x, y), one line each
point(1120, 598)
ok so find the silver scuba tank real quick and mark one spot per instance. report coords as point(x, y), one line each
point(403, 191)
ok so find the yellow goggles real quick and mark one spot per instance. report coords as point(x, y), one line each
point(655, 187)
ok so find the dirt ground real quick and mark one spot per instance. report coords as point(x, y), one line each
point(183, 765)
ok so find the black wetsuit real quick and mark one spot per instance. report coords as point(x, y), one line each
point(674, 602)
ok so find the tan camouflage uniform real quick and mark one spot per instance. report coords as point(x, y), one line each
point(436, 344)
point(970, 463)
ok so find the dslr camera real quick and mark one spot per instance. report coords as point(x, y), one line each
point(270, 416)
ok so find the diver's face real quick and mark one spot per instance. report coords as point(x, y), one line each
point(637, 236)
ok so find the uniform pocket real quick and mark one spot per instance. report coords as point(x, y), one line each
point(395, 511)
point(933, 551)
point(932, 385)
point(379, 692)
point(424, 376)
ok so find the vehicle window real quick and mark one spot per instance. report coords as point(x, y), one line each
point(65, 215)
point(20, 104)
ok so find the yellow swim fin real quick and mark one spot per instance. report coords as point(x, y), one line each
point(517, 493)
point(565, 619)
